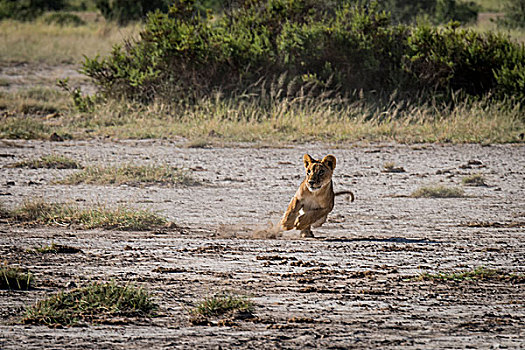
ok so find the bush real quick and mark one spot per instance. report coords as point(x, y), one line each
point(64, 19)
point(306, 47)
point(452, 10)
point(27, 10)
point(124, 11)
point(514, 14)
point(435, 11)
point(459, 59)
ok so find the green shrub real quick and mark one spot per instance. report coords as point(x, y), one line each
point(462, 59)
point(304, 47)
point(124, 11)
point(28, 9)
point(435, 11)
point(300, 41)
point(64, 19)
point(452, 10)
point(514, 14)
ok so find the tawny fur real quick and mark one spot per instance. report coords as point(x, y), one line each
point(314, 199)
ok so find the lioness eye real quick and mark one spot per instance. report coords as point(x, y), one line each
point(308, 171)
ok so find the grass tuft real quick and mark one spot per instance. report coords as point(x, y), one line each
point(131, 174)
point(95, 303)
point(200, 142)
point(474, 180)
point(54, 214)
point(54, 248)
point(13, 278)
point(438, 192)
point(223, 303)
point(52, 161)
point(477, 274)
point(390, 167)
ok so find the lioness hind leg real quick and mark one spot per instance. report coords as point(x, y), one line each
point(307, 233)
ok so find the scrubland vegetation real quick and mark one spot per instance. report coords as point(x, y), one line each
point(274, 70)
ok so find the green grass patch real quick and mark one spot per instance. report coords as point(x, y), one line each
point(438, 191)
point(95, 303)
point(38, 212)
point(52, 161)
point(223, 303)
point(476, 274)
point(13, 278)
point(474, 180)
point(132, 175)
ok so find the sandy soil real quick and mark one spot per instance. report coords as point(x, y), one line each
point(350, 287)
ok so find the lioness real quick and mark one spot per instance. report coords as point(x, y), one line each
point(314, 199)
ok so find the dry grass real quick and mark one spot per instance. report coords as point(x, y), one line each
point(303, 121)
point(53, 44)
point(477, 274)
point(474, 180)
point(390, 167)
point(38, 212)
point(132, 175)
point(284, 121)
point(51, 161)
point(23, 128)
point(34, 101)
point(438, 191)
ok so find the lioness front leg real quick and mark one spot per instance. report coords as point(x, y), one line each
point(310, 217)
point(290, 216)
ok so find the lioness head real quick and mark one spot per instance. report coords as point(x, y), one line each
point(318, 172)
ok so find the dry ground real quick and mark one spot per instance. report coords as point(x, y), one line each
point(352, 286)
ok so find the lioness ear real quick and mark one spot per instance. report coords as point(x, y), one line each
point(329, 161)
point(307, 160)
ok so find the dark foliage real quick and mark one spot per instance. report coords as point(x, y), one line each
point(28, 9)
point(310, 45)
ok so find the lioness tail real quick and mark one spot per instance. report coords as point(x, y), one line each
point(346, 192)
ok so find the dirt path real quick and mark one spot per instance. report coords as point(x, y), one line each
point(351, 287)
